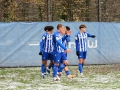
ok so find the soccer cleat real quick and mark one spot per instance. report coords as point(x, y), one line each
point(71, 76)
point(59, 73)
point(55, 79)
point(48, 70)
point(81, 75)
point(58, 78)
point(43, 76)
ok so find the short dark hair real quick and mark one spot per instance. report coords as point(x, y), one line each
point(46, 28)
point(50, 28)
point(59, 25)
point(82, 26)
point(67, 28)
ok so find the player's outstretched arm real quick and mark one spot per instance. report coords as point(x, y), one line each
point(92, 36)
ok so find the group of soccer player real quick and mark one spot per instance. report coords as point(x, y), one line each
point(53, 47)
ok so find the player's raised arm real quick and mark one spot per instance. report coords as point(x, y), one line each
point(68, 31)
point(68, 39)
point(67, 36)
point(64, 38)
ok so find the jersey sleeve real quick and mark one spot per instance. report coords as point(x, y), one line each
point(61, 45)
point(89, 35)
point(64, 38)
point(42, 43)
point(57, 40)
point(68, 39)
point(76, 42)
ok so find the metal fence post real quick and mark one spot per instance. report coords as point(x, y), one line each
point(99, 10)
point(48, 10)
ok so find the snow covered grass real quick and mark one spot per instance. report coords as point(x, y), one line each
point(97, 77)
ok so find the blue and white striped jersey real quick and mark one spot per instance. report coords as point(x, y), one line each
point(57, 39)
point(46, 43)
point(81, 41)
point(65, 42)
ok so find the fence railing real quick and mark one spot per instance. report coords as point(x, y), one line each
point(60, 10)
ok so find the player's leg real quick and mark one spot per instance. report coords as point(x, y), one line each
point(67, 70)
point(80, 66)
point(81, 60)
point(51, 65)
point(63, 65)
point(82, 57)
point(57, 57)
point(43, 67)
point(66, 67)
point(44, 63)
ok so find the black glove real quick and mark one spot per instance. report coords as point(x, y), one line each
point(77, 53)
point(93, 36)
point(40, 53)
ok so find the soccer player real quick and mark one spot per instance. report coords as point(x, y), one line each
point(51, 64)
point(81, 46)
point(66, 45)
point(58, 38)
point(68, 38)
point(64, 63)
point(46, 48)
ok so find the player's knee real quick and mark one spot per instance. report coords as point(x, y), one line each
point(66, 68)
point(65, 62)
point(62, 65)
point(81, 61)
point(44, 62)
point(57, 64)
point(52, 62)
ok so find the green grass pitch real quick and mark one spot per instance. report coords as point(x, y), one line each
point(97, 77)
